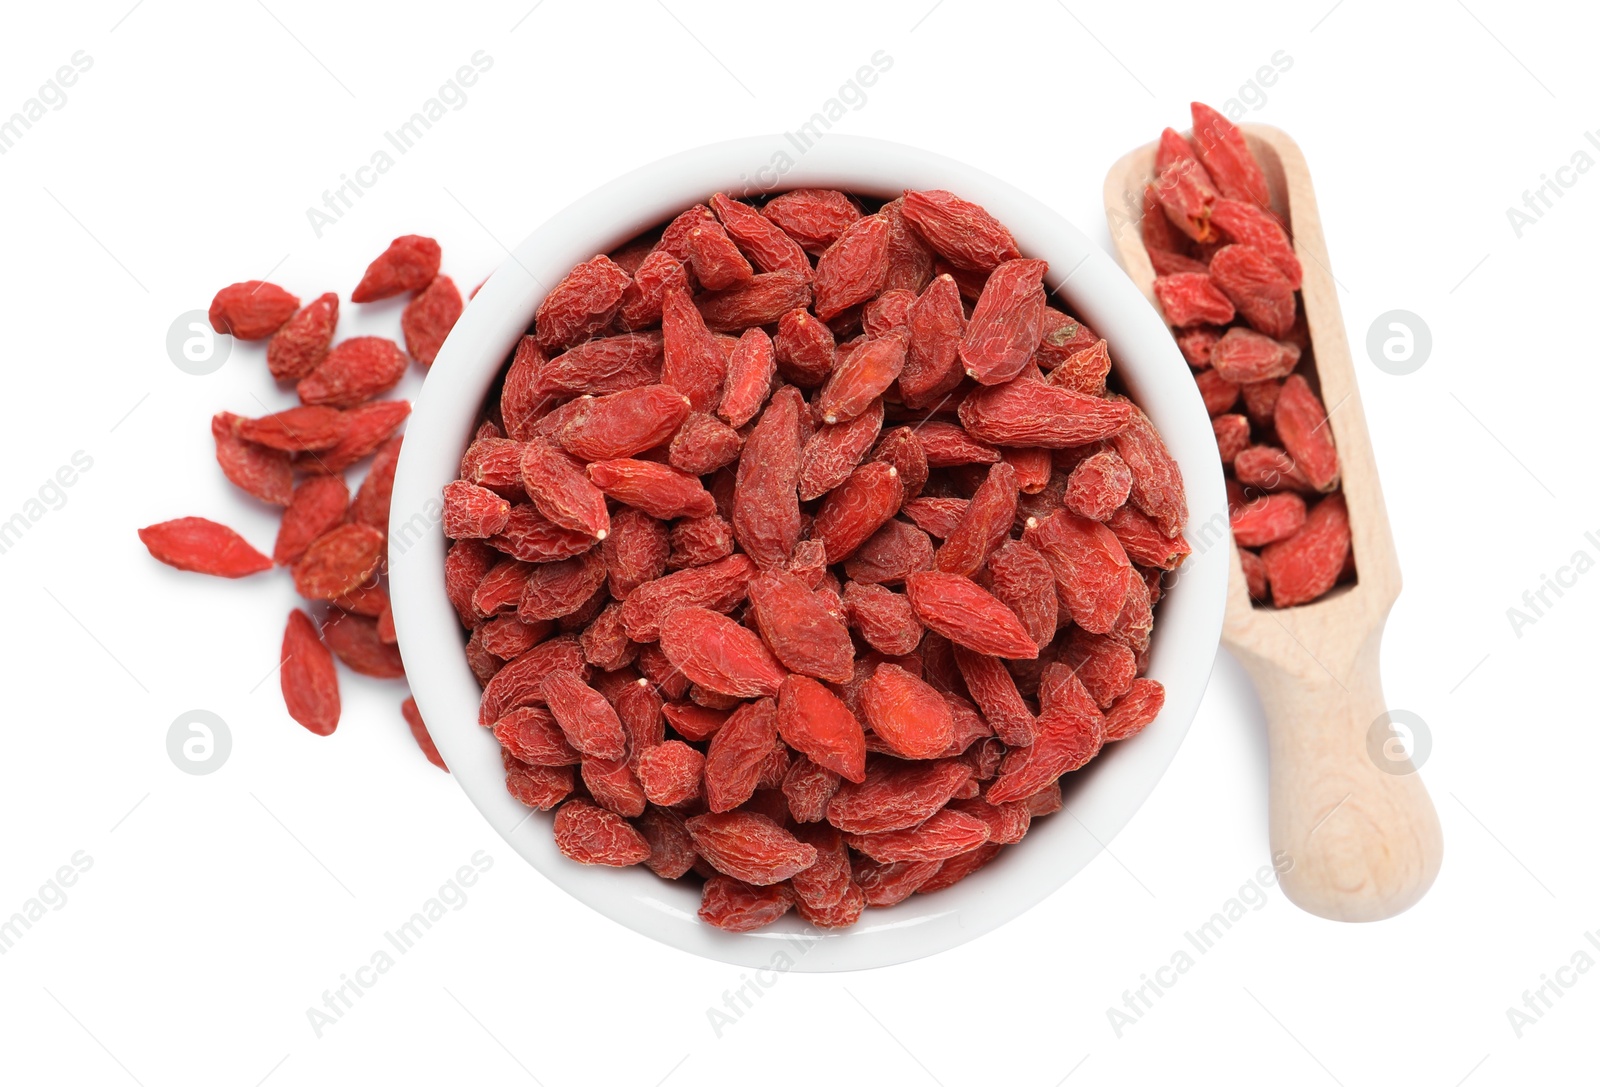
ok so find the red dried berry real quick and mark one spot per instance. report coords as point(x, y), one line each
point(1006, 323)
point(1031, 413)
point(749, 847)
point(813, 721)
point(202, 546)
point(962, 611)
point(296, 348)
point(737, 753)
point(767, 246)
point(429, 317)
point(591, 835)
point(1309, 563)
point(1129, 714)
point(719, 654)
point(670, 773)
point(354, 640)
point(1302, 427)
point(958, 230)
point(735, 906)
point(582, 304)
point(1260, 292)
point(419, 733)
point(1192, 298)
point(409, 264)
point(338, 562)
point(252, 310)
point(588, 721)
point(815, 218)
point(852, 270)
point(306, 673)
point(355, 370)
point(944, 834)
point(658, 489)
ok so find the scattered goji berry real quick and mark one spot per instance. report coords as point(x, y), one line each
point(252, 310)
point(409, 264)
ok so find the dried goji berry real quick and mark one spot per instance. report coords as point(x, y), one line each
point(718, 653)
point(302, 342)
point(471, 512)
point(815, 218)
point(1098, 485)
point(718, 585)
point(1021, 579)
point(1006, 323)
point(252, 310)
point(1192, 298)
point(365, 429)
point(958, 230)
point(995, 692)
point(306, 673)
point(605, 365)
point(1267, 519)
point(738, 750)
point(1308, 564)
point(355, 370)
point(582, 304)
point(852, 270)
point(658, 489)
point(257, 470)
point(766, 505)
point(910, 717)
point(750, 370)
point(962, 611)
point(354, 640)
point(671, 849)
point(429, 317)
point(1302, 427)
point(813, 721)
point(935, 328)
point(1090, 565)
point(671, 772)
point(760, 301)
point(588, 721)
point(338, 562)
point(735, 906)
point(859, 380)
point(561, 490)
point(591, 835)
point(749, 847)
point(318, 506)
point(942, 835)
point(857, 508)
point(1031, 413)
point(1228, 161)
point(1136, 708)
point(1260, 292)
point(804, 349)
point(983, 524)
point(409, 264)
point(767, 246)
point(896, 794)
point(419, 733)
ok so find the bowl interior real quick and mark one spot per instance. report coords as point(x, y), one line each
point(1100, 799)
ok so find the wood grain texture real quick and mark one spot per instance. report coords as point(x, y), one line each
point(1363, 838)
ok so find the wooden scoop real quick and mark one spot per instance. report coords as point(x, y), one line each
point(1347, 809)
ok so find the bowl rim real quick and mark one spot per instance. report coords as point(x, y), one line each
point(1100, 802)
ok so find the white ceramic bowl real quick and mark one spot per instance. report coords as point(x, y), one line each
point(1101, 798)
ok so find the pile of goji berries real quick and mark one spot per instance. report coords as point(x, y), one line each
point(1226, 279)
point(333, 545)
point(804, 548)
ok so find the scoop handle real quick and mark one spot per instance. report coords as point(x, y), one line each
point(1348, 815)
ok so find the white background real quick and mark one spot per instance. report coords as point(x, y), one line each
point(218, 908)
